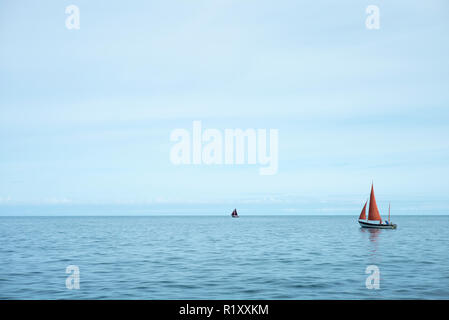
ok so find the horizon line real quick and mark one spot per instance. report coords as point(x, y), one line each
point(208, 215)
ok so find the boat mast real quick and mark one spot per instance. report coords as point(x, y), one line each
point(388, 212)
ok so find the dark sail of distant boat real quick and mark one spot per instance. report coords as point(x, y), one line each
point(234, 214)
point(374, 218)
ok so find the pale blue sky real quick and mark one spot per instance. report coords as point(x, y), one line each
point(85, 115)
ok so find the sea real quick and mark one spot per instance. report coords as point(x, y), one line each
point(219, 257)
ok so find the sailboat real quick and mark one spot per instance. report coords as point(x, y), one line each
point(374, 219)
point(234, 214)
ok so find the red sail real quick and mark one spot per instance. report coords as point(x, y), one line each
point(373, 213)
point(363, 213)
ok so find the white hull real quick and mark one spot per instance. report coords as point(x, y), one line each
point(365, 224)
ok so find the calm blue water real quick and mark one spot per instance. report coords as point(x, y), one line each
point(254, 257)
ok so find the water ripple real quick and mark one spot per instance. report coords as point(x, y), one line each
point(222, 258)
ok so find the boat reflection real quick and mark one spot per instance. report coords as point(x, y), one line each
point(373, 235)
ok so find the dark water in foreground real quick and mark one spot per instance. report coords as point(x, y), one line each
point(253, 257)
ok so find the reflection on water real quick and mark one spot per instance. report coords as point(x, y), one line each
point(373, 233)
point(373, 236)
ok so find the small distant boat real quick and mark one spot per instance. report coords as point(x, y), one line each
point(234, 214)
point(374, 219)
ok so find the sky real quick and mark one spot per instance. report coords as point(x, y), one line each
point(86, 115)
